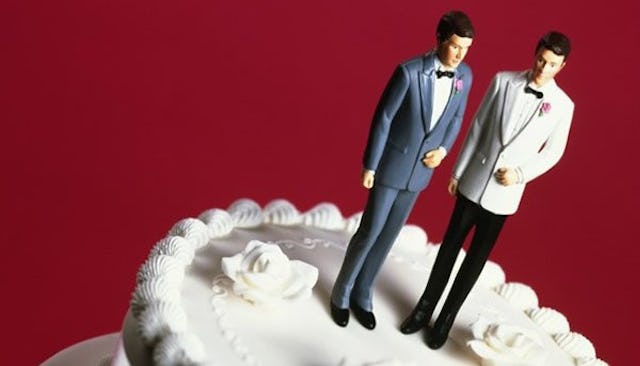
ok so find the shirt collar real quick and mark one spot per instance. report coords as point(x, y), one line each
point(547, 86)
point(437, 64)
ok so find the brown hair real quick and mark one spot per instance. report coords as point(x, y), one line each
point(454, 22)
point(556, 42)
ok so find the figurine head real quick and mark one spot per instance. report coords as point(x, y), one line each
point(552, 52)
point(454, 35)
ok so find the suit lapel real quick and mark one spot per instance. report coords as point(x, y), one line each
point(513, 87)
point(426, 89)
point(549, 91)
point(427, 81)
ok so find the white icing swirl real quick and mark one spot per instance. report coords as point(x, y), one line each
point(412, 239)
point(492, 275)
point(179, 349)
point(590, 362)
point(175, 246)
point(152, 290)
point(281, 212)
point(162, 265)
point(506, 345)
point(519, 295)
point(262, 273)
point(159, 319)
point(575, 344)
point(352, 223)
point(194, 230)
point(218, 221)
point(550, 320)
point(245, 213)
point(324, 216)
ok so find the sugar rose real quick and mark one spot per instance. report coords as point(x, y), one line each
point(262, 273)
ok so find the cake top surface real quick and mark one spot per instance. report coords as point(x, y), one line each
point(250, 286)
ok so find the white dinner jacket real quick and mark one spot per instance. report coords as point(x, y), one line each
point(532, 150)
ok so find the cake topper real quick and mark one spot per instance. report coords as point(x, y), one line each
point(508, 144)
point(415, 123)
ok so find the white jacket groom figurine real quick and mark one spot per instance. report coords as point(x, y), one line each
point(519, 132)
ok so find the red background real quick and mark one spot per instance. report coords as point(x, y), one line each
point(121, 117)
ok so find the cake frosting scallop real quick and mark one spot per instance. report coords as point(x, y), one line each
point(249, 286)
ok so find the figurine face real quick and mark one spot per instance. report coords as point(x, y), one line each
point(452, 51)
point(545, 67)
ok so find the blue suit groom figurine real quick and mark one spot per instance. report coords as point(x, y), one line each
point(416, 122)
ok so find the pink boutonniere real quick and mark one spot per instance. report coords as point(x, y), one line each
point(457, 85)
point(544, 109)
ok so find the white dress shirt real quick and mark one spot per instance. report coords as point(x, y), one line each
point(441, 93)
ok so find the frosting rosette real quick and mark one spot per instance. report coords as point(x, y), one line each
point(353, 222)
point(262, 273)
point(175, 246)
point(519, 295)
point(245, 213)
point(218, 221)
point(324, 216)
point(194, 230)
point(506, 345)
point(179, 349)
point(281, 212)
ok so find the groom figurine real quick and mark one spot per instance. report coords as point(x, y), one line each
point(415, 123)
point(518, 133)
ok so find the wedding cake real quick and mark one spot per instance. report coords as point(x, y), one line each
point(248, 286)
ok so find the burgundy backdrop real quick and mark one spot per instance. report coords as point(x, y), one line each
point(122, 117)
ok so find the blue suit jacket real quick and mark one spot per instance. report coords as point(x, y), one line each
point(399, 136)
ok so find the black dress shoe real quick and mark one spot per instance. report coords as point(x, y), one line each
point(415, 321)
point(366, 318)
point(339, 315)
point(437, 336)
point(419, 317)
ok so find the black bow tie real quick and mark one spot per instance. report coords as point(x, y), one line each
point(538, 94)
point(448, 74)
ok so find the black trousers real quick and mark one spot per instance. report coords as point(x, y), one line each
point(488, 225)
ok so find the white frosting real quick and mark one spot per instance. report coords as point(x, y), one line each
point(352, 223)
point(194, 230)
point(324, 216)
point(518, 295)
point(590, 362)
point(179, 349)
point(175, 246)
point(506, 345)
point(162, 265)
point(159, 319)
point(237, 333)
point(218, 221)
point(492, 275)
point(411, 239)
point(152, 290)
point(575, 344)
point(281, 212)
point(245, 213)
point(550, 320)
point(262, 273)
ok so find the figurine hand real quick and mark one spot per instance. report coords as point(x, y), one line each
point(433, 158)
point(506, 176)
point(453, 186)
point(367, 178)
